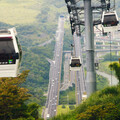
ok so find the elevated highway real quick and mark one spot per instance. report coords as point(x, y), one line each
point(55, 73)
point(80, 76)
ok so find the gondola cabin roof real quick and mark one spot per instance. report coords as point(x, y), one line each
point(109, 21)
point(4, 32)
point(9, 53)
point(75, 64)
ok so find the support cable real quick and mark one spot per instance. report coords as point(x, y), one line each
point(110, 58)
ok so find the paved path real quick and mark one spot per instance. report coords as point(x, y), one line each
point(114, 79)
point(45, 43)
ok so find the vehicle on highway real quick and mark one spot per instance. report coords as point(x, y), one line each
point(48, 116)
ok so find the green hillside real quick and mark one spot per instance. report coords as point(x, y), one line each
point(17, 12)
point(27, 11)
point(36, 22)
point(102, 105)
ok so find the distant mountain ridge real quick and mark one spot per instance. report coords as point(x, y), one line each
point(26, 12)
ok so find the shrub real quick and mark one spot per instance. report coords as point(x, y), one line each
point(72, 107)
point(63, 106)
point(107, 112)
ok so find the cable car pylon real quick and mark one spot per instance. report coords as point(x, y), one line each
point(91, 75)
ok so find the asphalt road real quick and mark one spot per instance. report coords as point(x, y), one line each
point(80, 76)
point(112, 79)
point(55, 73)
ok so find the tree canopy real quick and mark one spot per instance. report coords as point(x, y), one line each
point(116, 67)
point(13, 96)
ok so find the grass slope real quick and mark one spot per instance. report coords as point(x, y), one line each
point(17, 12)
point(61, 110)
point(104, 67)
point(27, 11)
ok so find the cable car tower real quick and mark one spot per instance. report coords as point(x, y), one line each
point(10, 53)
point(85, 14)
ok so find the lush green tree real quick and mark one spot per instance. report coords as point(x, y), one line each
point(116, 67)
point(72, 107)
point(12, 97)
point(108, 57)
point(33, 110)
point(100, 112)
point(63, 106)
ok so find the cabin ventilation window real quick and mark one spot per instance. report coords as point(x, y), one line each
point(6, 45)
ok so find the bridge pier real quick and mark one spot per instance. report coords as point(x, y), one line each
point(84, 40)
point(96, 55)
point(117, 53)
point(103, 44)
point(95, 43)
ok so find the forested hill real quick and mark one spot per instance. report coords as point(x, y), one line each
point(36, 22)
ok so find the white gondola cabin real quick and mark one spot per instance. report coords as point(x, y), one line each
point(109, 21)
point(97, 64)
point(10, 53)
point(75, 64)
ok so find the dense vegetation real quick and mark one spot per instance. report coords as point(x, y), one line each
point(36, 22)
point(70, 93)
point(102, 82)
point(13, 97)
point(108, 59)
point(111, 57)
point(103, 105)
point(116, 67)
point(68, 96)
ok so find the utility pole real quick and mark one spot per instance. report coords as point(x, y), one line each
point(89, 34)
